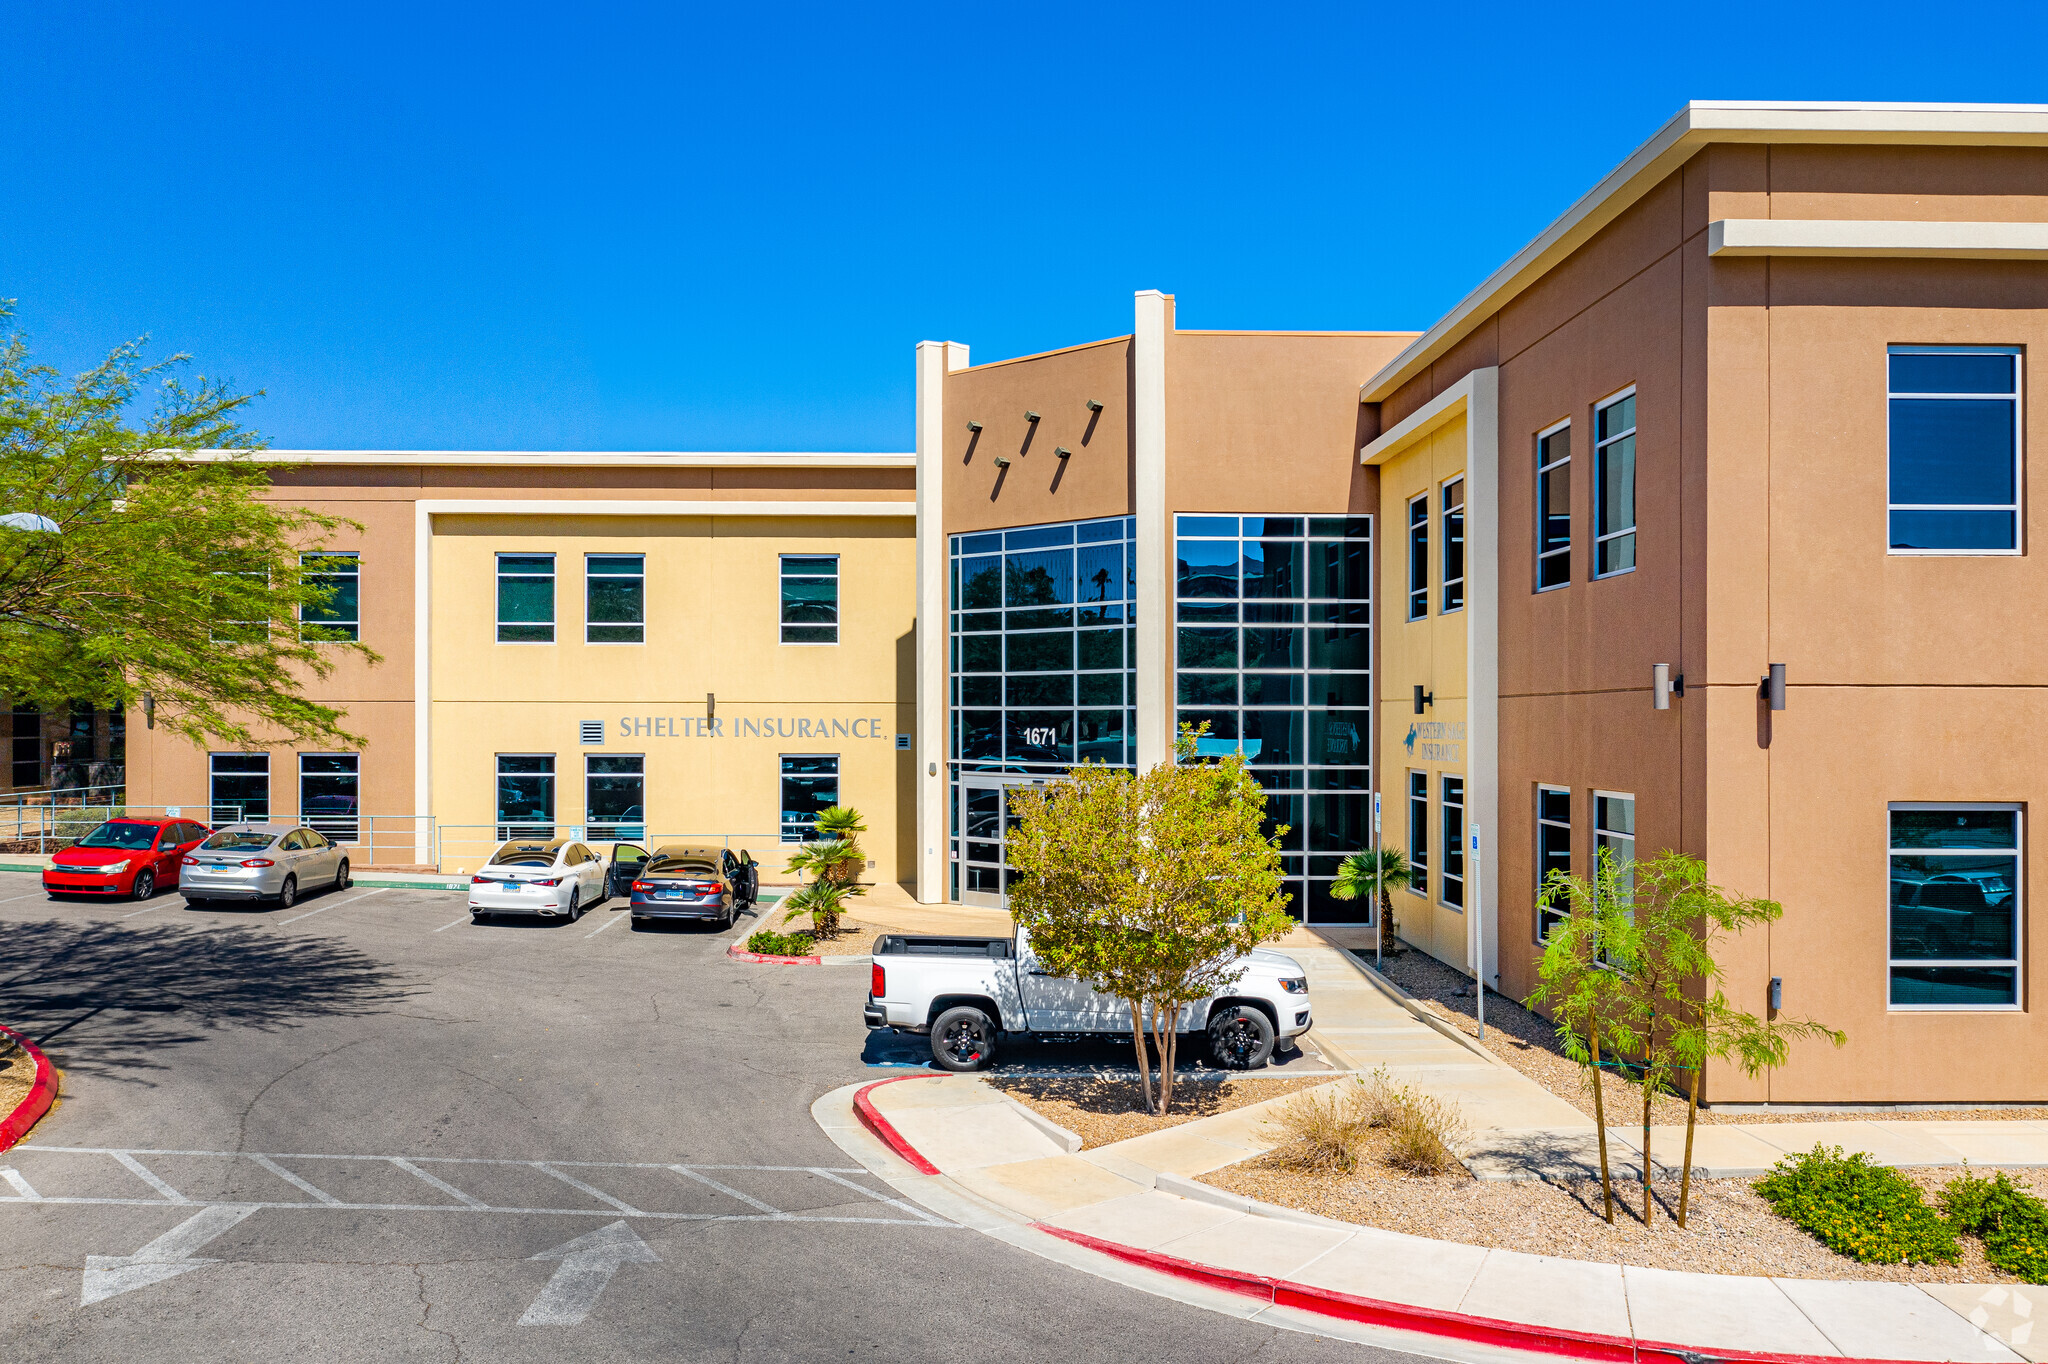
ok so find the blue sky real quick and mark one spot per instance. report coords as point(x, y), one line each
point(665, 227)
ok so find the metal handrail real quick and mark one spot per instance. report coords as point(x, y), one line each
point(462, 848)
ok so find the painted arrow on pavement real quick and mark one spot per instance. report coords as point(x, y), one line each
point(168, 1256)
point(588, 1263)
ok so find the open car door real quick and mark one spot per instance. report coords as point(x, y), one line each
point(627, 862)
point(746, 883)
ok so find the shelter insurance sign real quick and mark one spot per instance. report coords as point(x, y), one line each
point(748, 727)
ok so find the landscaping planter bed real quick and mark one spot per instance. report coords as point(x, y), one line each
point(1103, 1110)
point(17, 1075)
point(1731, 1229)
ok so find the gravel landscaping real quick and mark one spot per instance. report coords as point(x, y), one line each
point(1731, 1229)
point(17, 1074)
point(1102, 1111)
point(1528, 1042)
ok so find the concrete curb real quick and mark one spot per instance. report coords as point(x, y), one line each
point(1486, 1332)
point(42, 1092)
point(864, 1108)
point(1069, 1141)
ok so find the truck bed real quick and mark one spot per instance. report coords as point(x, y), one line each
point(914, 945)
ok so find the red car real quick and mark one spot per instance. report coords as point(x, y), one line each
point(135, 857)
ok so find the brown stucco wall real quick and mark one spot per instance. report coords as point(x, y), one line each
point(1270, 421)
point(1038, 486)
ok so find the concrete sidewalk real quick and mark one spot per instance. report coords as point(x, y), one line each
point(1135, 1203)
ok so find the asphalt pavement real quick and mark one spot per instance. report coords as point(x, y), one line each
point(365, 1128)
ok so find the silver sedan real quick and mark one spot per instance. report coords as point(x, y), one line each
point(262, 862)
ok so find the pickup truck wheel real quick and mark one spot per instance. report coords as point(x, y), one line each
point(1240, 1038)
point(964, 1039)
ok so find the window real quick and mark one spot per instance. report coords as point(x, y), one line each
point(1418, 558)
point(1614, 470)
point(1418, 833)
point(238, 593)
point(339, 617)
point(1274, 652)
point(526, 599)
point(25, 753)
point(1451, 889)
point(1954, 449)
point(615, 598)
point(1454, 547)
point(615, 795)
point(810, 599)
point(329, 784)
point(1553, 850)
point(526, 795)
point(240, 785)
point(1614, 831)
point(810, 783)
point(1955, 906)
point(1554, 507)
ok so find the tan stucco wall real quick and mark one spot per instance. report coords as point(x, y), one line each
point(1038, 486)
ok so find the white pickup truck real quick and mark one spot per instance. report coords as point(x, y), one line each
point(966, 992)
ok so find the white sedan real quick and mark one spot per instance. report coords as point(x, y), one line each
point(555, 880)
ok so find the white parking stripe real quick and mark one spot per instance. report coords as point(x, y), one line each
point(146, 909)
point(147, 1176)
point(288, 1177)
point(452, 922)
point(616, 917)
point(337, 904)
point(32, 895)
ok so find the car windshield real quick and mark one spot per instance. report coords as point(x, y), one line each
point(238, 840)
point(131, 837)
point(527, 856)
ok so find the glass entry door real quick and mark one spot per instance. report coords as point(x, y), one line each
point(985, 825)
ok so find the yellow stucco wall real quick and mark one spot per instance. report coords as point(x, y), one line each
point(1429, 651)
point(713, 606)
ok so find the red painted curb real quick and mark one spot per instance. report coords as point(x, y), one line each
point(872, 1119)
point(741, 954)
point(42, 1092)
point(1329, 1302)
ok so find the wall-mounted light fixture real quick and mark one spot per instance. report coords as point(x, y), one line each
point(710, 705)
point(148, 711)
point(1777, 993)
point(1002, 463)
point(974, 426)
point(1663, 686)
point(1423, 698)
point(1031, 416)
point(1062, 451)
point(1773, 686)
point(1094, 406)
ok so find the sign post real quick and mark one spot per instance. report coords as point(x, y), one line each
point(1379, 918)
point(1477, 883)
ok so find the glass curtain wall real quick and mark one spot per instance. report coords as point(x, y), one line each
point(1041, 652)
point(1273, 648)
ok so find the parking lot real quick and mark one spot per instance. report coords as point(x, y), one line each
point(366, 1128)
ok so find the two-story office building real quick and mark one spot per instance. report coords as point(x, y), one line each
point(1754, 407)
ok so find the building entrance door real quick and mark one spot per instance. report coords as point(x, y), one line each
point(985, 824)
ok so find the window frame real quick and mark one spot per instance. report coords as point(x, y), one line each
point(1601, 535)
point(1418, 823)
point(1446, 514)
point(1453, 844)
point(553, 774)
point(2018, 507)
point(782, 775)
point(1564, 551)
point(354, 821)
point(213, 774)
point(1418, 557)
point(1542, 873)
point(498, 577)
point(589, 578)
point(782, 577)
point(354, 625)
point(2019, 907)
point(621, 829)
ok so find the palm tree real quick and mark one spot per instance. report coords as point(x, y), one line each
point(842, 826)
point(1373, 872)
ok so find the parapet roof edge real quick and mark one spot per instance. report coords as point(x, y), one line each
point(1043, 354)
point(685, 459)
point(1699, 123)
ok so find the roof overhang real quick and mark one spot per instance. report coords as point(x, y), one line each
point(1697, 125)
point(574, 459)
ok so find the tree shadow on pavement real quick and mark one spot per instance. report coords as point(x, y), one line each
point(105, 1000)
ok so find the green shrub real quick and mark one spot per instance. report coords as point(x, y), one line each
point(1858, 1209)
point(2013, 1223)
point(780, 944)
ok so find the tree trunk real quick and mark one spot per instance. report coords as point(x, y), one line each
point(1646, 1145)
point(1692, 1111)
point(1600, 1121)
point(1144, 1062)
point(1162, 1031)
